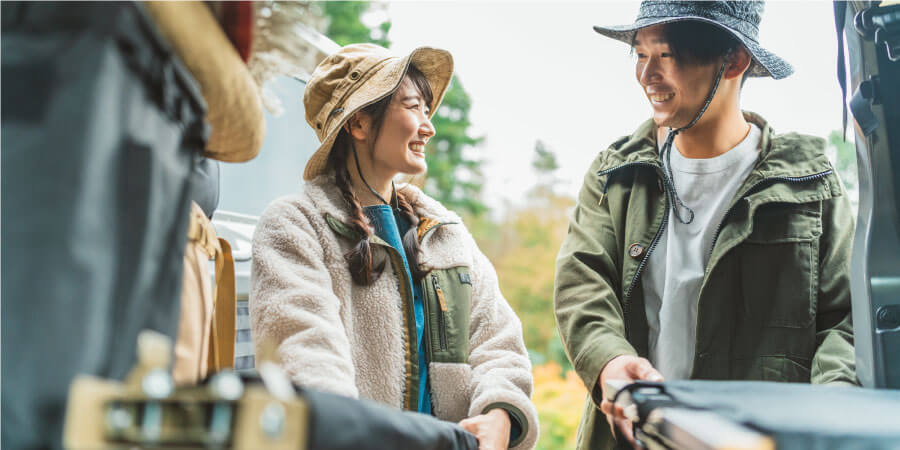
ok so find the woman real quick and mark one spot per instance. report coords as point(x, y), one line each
point(374, 291)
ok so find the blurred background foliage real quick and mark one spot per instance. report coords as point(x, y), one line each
point(521, 241)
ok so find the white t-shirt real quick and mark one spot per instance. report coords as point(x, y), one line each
point(674, 273)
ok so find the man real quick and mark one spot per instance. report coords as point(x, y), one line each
point(704, 246)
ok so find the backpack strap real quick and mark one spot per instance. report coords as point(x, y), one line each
point(220, 350)
point(223, 323)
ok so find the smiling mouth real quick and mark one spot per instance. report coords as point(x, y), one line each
point(417, 148)
point(661, 98)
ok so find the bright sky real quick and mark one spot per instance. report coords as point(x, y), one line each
point(537, 70)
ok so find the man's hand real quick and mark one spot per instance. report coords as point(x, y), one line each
point(628, 368)
point(491, 429)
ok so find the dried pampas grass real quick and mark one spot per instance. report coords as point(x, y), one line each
point(287, 41)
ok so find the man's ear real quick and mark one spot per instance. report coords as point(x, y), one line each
point(359, 126)
point(738, 63)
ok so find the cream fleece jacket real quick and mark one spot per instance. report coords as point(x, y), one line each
point(336, 336)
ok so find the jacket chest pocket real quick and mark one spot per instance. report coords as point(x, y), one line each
point(779, 267)
point(448, 295)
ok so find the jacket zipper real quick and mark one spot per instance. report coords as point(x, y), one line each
point(410, 391)
point(442, 326)
point(749, 191)
point(626, 304)
point(439, 293)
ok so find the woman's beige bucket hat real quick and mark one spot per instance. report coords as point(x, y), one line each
point(357, 76)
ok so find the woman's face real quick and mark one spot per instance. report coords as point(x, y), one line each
point(400, 144)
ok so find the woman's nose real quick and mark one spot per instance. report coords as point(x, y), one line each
point(426, 128)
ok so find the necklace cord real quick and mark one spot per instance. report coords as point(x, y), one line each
point(396, 201)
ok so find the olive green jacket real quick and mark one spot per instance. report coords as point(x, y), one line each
point(775, 299)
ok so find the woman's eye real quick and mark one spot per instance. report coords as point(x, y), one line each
point(641, 55)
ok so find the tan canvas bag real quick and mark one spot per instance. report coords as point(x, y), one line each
point(206, 330)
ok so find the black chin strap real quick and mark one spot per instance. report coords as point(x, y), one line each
point(396, 203)
point(665, 153)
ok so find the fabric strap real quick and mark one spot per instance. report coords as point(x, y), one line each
point(223, 323)
point(221, 351)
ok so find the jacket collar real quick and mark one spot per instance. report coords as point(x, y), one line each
point(789, 155)
point(790, 158)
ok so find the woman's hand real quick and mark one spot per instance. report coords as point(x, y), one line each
point(491, 429)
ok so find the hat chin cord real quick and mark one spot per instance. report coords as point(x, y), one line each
point(666, 153)
point(396, 205)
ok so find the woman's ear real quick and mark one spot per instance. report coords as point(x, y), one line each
point(359, 126)
point(738, 63)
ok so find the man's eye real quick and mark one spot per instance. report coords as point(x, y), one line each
point(665, 54)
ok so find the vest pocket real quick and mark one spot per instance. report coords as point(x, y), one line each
point(448, 295)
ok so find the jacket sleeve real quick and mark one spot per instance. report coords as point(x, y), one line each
point(501, 370)
point(835, 359)
point(589, 314)
point(293, 309)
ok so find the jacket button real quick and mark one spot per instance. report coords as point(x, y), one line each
point(635, 250)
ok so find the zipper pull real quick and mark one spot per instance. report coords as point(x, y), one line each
point(439, 292)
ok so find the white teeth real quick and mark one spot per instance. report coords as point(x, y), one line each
point(661, 97)
point(417, 147)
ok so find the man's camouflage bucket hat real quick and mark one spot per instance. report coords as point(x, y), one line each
point(740, 18)
point(357, 76)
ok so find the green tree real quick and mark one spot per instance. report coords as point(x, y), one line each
point(345, 24)
point(544, 161)
point(454, 178)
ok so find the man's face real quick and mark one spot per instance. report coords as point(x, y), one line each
point(676, 91)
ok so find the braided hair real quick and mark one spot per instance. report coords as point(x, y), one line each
point(360, 260)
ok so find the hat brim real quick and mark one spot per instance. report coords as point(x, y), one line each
point(765, 63)
point(435, 64)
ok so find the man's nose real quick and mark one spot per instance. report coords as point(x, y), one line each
point(650, 71)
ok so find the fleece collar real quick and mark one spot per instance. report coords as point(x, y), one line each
point(324, 193)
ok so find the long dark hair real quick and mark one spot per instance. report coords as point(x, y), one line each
point(360, 258)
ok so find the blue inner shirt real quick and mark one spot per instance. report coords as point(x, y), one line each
point(390, 227)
